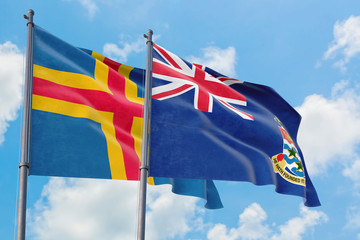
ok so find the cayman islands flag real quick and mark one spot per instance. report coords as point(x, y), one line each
point(207, 126)
point(86, 118)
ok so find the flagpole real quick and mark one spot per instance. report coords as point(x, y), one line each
point(145, 138)
point(24, 164)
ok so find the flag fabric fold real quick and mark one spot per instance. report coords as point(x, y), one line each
point(87, 118)
point(205, 125)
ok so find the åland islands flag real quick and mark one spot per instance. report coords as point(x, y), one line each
point(86, 118)
point(207, 126)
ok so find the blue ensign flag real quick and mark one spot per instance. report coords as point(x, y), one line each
point(207, 126)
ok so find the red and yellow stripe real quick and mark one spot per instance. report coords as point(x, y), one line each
point(79, 96)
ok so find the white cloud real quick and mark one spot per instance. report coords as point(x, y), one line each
point(221, 60)
point(353, 218)
point(251, 223)
point(99, 209)
point(252, 226)
point(298, 226)
point(11, 82)
point(107, 209)
point(330, 129)
point(353, 171)
point(346, 41)
point(219, 232)
point(85, 209)
point(114, 52)
point(90, 6)
point(170, 216)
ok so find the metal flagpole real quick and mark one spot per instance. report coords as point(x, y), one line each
point(24, 164)
point(145, 138)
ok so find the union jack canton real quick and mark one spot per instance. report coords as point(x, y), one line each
point(184, 76)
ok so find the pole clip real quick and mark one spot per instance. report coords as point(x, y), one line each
point(144, 167)
point(24, 164)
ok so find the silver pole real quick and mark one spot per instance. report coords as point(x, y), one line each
point(24, 164)
point(145, 138)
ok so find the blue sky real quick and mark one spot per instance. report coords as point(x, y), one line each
point(308, 51)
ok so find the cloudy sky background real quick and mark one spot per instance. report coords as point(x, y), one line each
point(308, 52)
